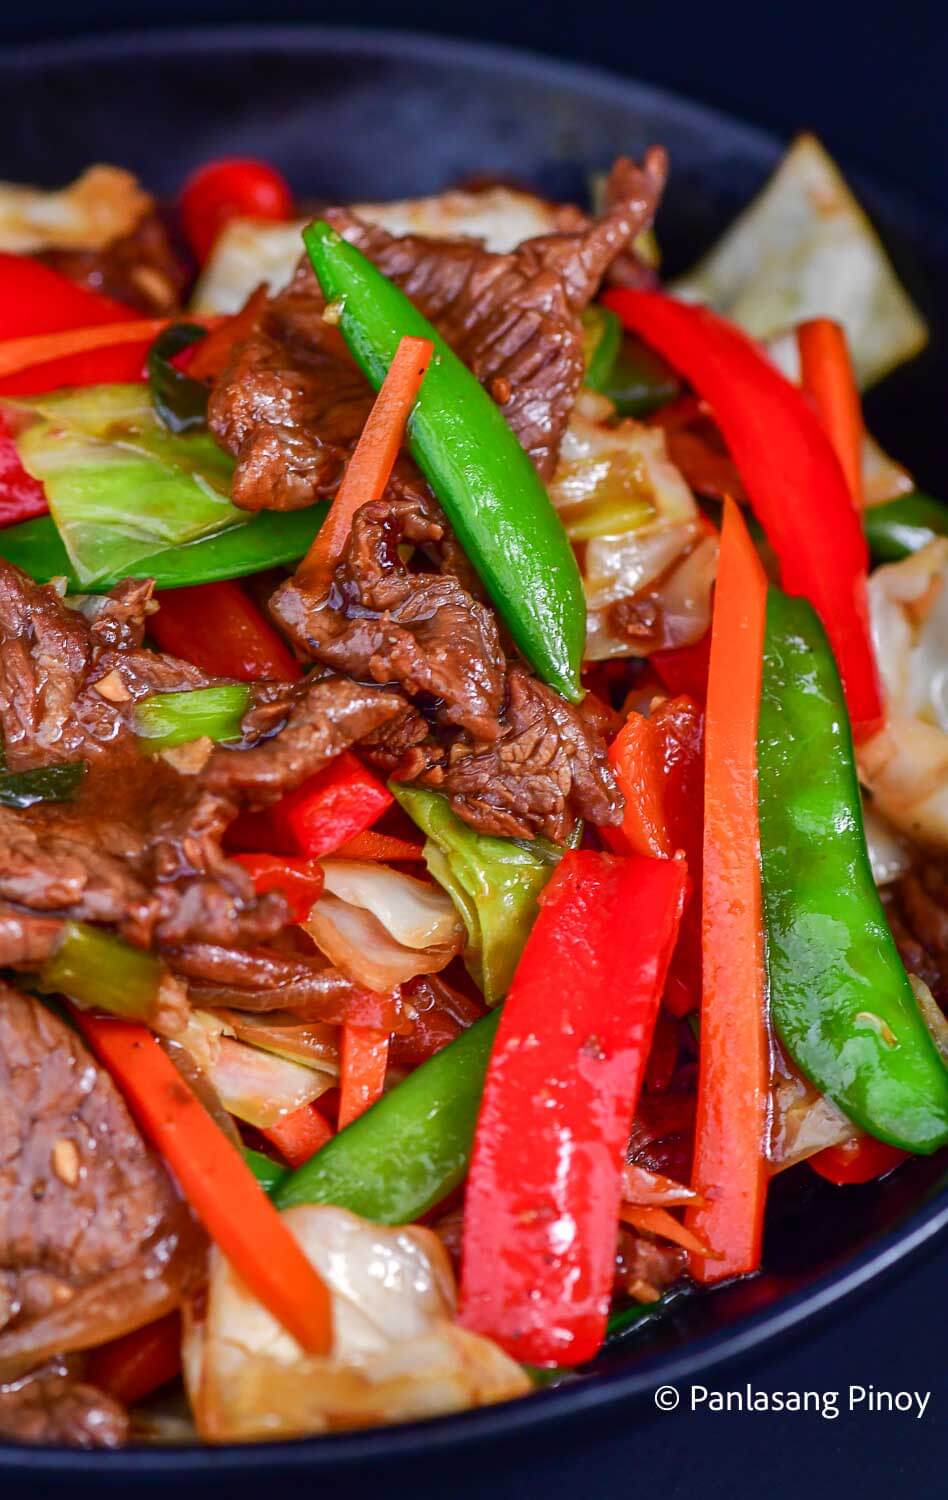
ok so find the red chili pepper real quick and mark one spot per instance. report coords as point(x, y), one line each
point(36, 300)
point(790, 472)
point(218, 627)
point(541, 1211)
point(341, 800)
point(235, 188)
point(131, 1367)
point(862, 1159)
point(299, 880)
point(299, 1135)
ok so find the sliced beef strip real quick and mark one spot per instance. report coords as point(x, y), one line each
point(291, 405)
point(917, 907)
point(317, 719)
point(52, 1406)
point(382, 623)
point(547, 769)
point(140, 268)
point(94, 1240)
point(260, 979)
point(140, 846)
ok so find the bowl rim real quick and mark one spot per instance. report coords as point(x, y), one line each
point(919, 1228)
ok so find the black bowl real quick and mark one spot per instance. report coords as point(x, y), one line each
point(383, 115)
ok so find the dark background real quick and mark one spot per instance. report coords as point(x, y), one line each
point(871, 81)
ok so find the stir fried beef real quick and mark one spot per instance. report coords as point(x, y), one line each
point(292, 404)
point(140, 846)
point(546, 769)
point(382, 623)
point(139, 268)
point(53, 1406)
point(316, 719)
point(524, 761)
point(917, 907)
point(94, 1240)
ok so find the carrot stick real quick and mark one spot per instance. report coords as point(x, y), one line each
point(299, 1135)
point(827, 376)
point(730, 1168)
point(660, 1221)
point(362, 1077)
point(131, 1367)
point(372, 458)
point(215, 1179)
point(21, 354)
point(383, 846)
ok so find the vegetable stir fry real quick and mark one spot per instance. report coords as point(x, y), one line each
point(474, 801)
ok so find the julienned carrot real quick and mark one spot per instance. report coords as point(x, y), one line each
point(131, 1367)
point(659, 1221)
point(372, 458)
point(215, 1179)
point(730, 1168)
point(362, 1076)
point(827, 376)
point(382, 846)
point(21, 354)
point(299, 1135)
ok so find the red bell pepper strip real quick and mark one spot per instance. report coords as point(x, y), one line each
point(218, 627)
point(21, 496)
point(862, 1159)
point(37, 301)
point(826, 374)
point(208, 359)
point(635, 757)
point(789, 470)
point(684, 669)
point(730, 1166)
point(299, 880)
point(363, 1066)
point(299, 1135)
point(232, 188)
point(215, 1179)
point(341, 800)
point(543, 1194)
point(663, 1058)
point(131, 1367)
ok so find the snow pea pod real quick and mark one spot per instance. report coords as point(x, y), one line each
point(840, 998)
point(904, 525)
point(410, 1149)
point(490, 490)
point(272, 539)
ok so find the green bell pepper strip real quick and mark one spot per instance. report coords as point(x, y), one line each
point(163, 720)
point(618, 365)
point(180, 403)
point(904, 525)
point(490, 490)
point(44, 784)
point(272, 539)
point(99, 971)
point(409, 1150)
point(840, 998)
point(494, 883)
